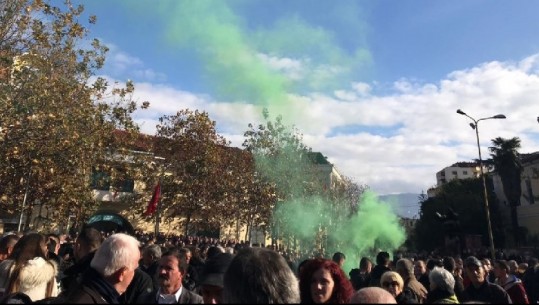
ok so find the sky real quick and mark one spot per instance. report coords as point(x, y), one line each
point(373, 85)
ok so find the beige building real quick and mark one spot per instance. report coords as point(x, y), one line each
point(459, 170)
point(528, 211)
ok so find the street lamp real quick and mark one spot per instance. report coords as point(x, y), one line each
point(475, 126)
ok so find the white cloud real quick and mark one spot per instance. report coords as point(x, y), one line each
point(362, 88)
point(291, 68)
point(119, 63)
point(426, 134)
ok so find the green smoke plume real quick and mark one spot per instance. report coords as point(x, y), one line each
point(264, 63)
point(232, 65)
point(373, 228)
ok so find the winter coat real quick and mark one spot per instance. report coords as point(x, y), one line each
point(419, 291)
point(488, 293)
point(438, 296)
point(515, 289)
point(359, 280)
point(376, 275)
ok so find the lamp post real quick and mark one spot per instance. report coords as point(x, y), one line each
point(475, 126)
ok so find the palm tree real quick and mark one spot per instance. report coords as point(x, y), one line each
point(506, 160)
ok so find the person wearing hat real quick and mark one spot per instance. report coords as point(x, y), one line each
point(211, 284)
point(480, 290)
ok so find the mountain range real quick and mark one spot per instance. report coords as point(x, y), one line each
point(405, 205)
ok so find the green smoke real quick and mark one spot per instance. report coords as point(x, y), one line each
point(233, 67)
point(264, 63)
point(374, 227)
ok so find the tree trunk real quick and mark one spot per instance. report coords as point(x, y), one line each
point(187, 221)
point(515, 226)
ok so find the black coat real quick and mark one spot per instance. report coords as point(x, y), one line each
point(72, 276)
point(93, 289)
point(488, 293)
point(376, 275)
point(358, 279)
point(140, 286)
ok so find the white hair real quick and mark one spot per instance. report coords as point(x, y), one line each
point(117, 251)
point(442, 279)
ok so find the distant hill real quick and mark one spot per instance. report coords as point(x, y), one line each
point(404, 204)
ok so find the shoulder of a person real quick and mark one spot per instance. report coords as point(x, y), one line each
point(193, 297)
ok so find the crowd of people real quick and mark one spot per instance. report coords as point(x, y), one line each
point(94, 267)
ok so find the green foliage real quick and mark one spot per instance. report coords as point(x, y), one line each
point(506, 161)
point(465, 198)
point(55, 123)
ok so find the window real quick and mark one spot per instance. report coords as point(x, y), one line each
point(100, 180)
point(454, 173)
point(124, 185)
point(465, 173)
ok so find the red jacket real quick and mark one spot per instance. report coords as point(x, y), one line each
point(515, 289)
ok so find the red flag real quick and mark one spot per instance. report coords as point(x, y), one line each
point(152, 205)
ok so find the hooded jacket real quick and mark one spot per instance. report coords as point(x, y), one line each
point(515, 289)
point(37, 278)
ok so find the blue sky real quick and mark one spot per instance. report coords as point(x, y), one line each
point(373, 85)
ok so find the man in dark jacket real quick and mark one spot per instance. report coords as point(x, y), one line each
point(150, 262)
point(360, 278)
point(111, 271)
point(137, 291)
point(480, 290)
point(172, 268)
point(451, 266)
point(382, 265)
point(530, 279)
point(88, 241)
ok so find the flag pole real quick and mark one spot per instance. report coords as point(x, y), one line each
point(158, 210)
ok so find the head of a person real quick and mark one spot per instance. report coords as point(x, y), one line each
point(323, 281)
point(151, 254)
point(442, 280)
point(433, 262)
point(212, 278)
point(419, 268)
point(372, 295)
point(513, 266)
point(522, 268)
point(405, 268)
point(339, 258)
point(171, 270)
point(365, 264)
point(186, 254)
point(474, 270)
point(382, 259)
point(392, 282)
point(450, 264)
point(501, 268)
point(459, 263)
point(259, 276)
point(6, 245)
point(29, 246)
point(301, 265)
point(116, 260)
point(87, 241)
point(486, 264)
point(53, 243)
point(214, 250)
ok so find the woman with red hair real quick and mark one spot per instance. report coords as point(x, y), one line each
point(323, 281)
